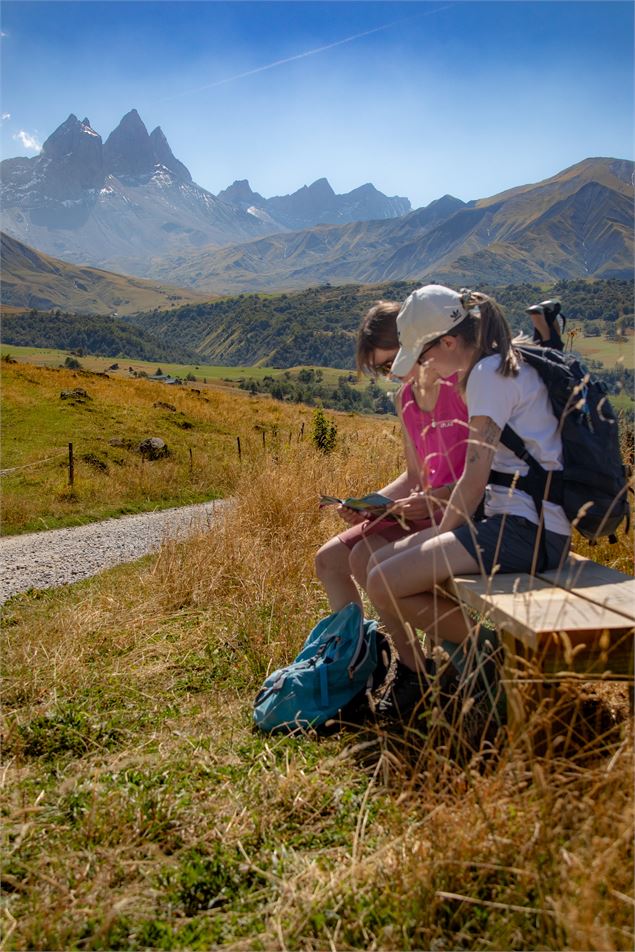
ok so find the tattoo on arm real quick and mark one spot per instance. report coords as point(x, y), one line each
point(484, 442)
point(491, 434)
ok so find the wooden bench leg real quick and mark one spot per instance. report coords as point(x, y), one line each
point(516, 713)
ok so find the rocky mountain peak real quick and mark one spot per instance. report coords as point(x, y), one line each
point(308, 204)
point(128, 152)
point(366, 189)
point(315, 204)
point(241, 193)
point(66, 137)
point(164, 155)
point(132, 119)
point(321, 188)
point(74, 161)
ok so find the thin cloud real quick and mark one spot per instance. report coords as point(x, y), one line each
point(5, 116)
point(305, 54)
point(29, 142)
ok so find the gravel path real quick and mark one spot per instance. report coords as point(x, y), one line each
point(62, 556)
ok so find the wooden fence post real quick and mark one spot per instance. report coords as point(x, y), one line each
point(191, 462)
point(264, 441)
point(239, 452)
point(71, 465)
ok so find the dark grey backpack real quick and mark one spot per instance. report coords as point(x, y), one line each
point(592, 487)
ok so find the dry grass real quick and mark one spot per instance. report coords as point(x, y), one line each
point(142, 812)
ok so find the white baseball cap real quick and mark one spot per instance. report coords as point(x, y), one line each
point(428, 313)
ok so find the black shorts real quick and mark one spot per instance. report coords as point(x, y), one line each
point(509, 542)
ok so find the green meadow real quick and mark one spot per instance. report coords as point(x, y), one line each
point(202, 428)
point(609, 352)
point(49, 357)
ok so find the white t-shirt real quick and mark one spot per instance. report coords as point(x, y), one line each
point(523, 403)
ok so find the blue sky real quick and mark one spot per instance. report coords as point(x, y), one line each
point(422, 99)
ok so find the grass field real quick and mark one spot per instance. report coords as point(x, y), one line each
point(45, 357)
point(142, 812)
point(200, 429)
point(37, 425)
point(609, 352)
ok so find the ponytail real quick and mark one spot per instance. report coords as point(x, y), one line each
point(490, 333)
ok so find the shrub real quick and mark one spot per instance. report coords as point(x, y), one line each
point(324, 434)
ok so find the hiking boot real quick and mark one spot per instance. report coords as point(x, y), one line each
point(406, 691)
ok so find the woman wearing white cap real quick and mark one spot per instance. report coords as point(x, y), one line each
point(466, 334)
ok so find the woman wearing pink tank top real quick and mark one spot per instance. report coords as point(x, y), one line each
point(433, 418)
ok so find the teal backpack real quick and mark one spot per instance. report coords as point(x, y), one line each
point(337, 664)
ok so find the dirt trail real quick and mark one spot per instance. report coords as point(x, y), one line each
point(62, 556)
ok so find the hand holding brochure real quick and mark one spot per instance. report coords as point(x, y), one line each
point(373, 503)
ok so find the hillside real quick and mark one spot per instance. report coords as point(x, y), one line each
point(32, 279)
point(97, 334)
point(577, 223)
point(199, 426)
point(318, 326)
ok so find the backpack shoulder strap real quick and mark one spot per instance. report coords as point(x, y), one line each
point(517, 445)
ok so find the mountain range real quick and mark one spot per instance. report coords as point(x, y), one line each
point(129, 205)
point(118, 203)
point(315, 204)
point(578, 223)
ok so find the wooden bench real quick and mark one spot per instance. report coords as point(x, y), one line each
point(578, 622)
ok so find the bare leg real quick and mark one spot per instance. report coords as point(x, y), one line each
point(401, 581)
point(361, 561)
point(333, 570)
point(360, 555)
point(540, 323)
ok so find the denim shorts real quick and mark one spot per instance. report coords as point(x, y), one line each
point(509, 543)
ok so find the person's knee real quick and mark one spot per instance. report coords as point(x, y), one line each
point(358, 563)
point(322, 560)
point(377, 588)
point(329, 558)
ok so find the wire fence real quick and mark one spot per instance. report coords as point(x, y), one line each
point(274, 438)
point(38, 462)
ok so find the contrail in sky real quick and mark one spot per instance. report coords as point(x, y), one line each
point(299, 56)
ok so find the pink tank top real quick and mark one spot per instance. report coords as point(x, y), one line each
point(439, 436)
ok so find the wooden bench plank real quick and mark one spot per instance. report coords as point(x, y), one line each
point(596, 583)
point(575, 622)
point(526, 606)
